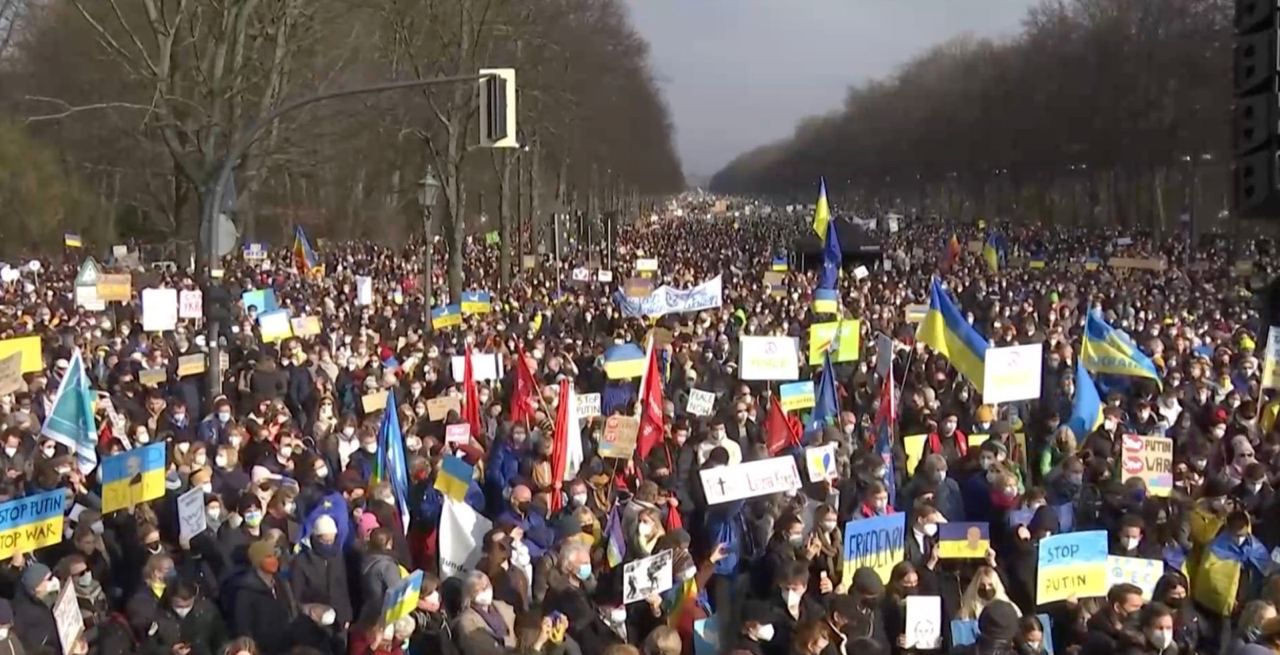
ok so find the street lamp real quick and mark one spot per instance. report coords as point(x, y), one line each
point(427, 198)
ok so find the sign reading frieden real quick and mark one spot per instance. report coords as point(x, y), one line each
point(876, 543)
point(750, 479)
point(666, 300)
point(31, 522)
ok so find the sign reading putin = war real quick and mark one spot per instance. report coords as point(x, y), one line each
point(30, 523)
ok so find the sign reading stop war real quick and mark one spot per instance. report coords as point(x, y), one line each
point(30, 523)
point(1149, 458)
point(1072, 565)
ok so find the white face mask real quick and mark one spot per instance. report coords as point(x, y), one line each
point(348, 431)
point(4, 634)
point(645, 529)
point(10, 450)
point(793, 597)
point(1162, 638)
point(1131, 543)
point(484, 598)
point(200, 460)
point(690, 572)
point(579, 500)
point(370, 447)
point(322, 472)
point(142, 437)
point(235, 441)
point(182, 611)
point(220, 460)
point(207, 487)
point(618, 615)
point(930, 529)
point(329, 617)
point(286, 452)
point(764, 632)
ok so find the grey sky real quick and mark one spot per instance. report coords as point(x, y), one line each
point(740, 73)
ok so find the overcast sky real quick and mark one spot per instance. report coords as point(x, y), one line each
point(739, 73)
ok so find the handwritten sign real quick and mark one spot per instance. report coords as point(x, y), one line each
point(191, 517)
point(190, 303)
point(619, 438)
point(438, 408)
point(588, 405)
point(1072, 565)
point(11, 373)
point(1013, 373)
point(923, 629)
point(845, 335)
point(750, 479)
point(796, 395)
point(152, 377)
point(700, 402)
point(769, 358)
point(457, 433)
point(1142, 573)
point(876, 543)
point(1149, 458)
point(68, 619)
point(374, 402)
point(305, 326)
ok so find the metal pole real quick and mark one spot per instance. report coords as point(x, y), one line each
point(237, 151)
point(428, 265)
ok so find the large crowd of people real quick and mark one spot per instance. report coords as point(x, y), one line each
point(307, 533)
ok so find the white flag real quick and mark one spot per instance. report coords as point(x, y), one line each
point(461, 531)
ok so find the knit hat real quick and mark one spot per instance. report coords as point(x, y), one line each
point(984, 414)
point(260, 550)
point(33, 575)
point(998, 622)
point(325, 525)
point(368, 523)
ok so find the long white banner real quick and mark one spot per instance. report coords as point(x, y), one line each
point(666, 300)
point(750, 479)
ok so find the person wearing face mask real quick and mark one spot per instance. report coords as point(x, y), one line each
point(191, 620)
point(538, 536)
point(379, 570)
point(282, 512)
point(791, 606)
point(757, 633)
point(33, 608)
point(9, 642)
point(432, 630)
point(214, 428)
point(319, 573)
point(1129, 539)
point(923, 539)
point(485, 625)
point(503, 465)
point(142, 607)
point(932, 476)
point(340, 445)
point(788, 544)
point(1111, 628)
point(242, 529)
point(90, 596)
point(1156, 626)
point(1232, 568)
point(229, 480)
point(1031, 637)
point(718, 437)
point(262, 604)
point(14, 457)
point(1190, 632)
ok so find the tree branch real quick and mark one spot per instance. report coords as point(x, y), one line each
point(69, 109)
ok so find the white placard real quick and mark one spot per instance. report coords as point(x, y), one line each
point(821, 463)
point(159, 310)
point(457, 433)
point(769, 358)
point(1124, 241)
point(884, 354)
point(190, 303)
point(700, 402)
point(581, 274)
point(651, 575)
point(588, 405)
point(484, 366)
point(860, 272)
point(923, 626)
point(9, 274)
point(191, 518)
point(1271, 360)
point(67, 617)
point(461, 531)
point(364, 290)
point(604, 276)
point(750, 479)
point(647, 264)
point(87, 297)
point(1012, 373)
point(1142, 573)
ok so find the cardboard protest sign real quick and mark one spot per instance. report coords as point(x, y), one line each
point(1149, 458)
point(619, 438)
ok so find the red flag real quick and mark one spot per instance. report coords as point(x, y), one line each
point(560, 445)
point(781, 430)
point(524, 401)
point(651, 419)
point(673, 520)
point(471, 398)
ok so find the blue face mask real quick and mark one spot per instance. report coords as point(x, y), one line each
point(584, 572)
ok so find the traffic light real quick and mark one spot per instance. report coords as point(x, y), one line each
point(498, 108)
point(1255, 129)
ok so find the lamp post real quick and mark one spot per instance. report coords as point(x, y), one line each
point(427, 198)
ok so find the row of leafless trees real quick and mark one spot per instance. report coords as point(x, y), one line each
point(1100, 110)
point(139, 99)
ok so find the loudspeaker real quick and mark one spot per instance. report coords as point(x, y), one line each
point(1256, 110)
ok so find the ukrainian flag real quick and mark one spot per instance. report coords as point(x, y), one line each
point(1107, 350)
point(402, 599)
point(1086, 409)
point(991, 254)
point(624, 362)
point(963, 540)
point(447, 316)
point(72, 240)
point(780, 265)
point(1222, 570)
point(133, 477)
point(826, 301)
point(945, 330)
point(304, 258)
point(476, 302)
point(822, 211)
point(454, 478)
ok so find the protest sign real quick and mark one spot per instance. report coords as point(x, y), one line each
point(484, 366)
point(29, 347)
point(700, 402)
point(821, 336)
point(193, 364)
point(875, 542)
point(374, 402)
point(769, 358)
point(667, 300)
point(457, 433)
point(115, 287)
point(68, 619)
point(821, 462)
point(275, 326)
point(860, 272)
point(191, 517)
point(11, 374)
point(305, 326)
point(580, 274)
point(31, 522)
point(159, 309)
point(604, 276)
point(649, 575)
point(1144, 263)
point(619, 437)
point(637, 287)
point(915, 313)
point(364, 290)
point(261, 300)
point(1149, 458)
point(1073, 564)
point(923, 629)
point(438, 408)
point(1142, 573)
point(647, 265)
point(402, 598)
point(588, 405)
point(1271, 360)
point(796, 395)
point(132, 477)
point(461, 532)
point(1012, 373)
point(750, 479)
point(190, 303)
point(152, 377)
point(963, 540)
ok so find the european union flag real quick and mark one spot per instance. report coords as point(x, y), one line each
point(335, 507)
point(832, 258)
point(390, 464)
point(825, 409)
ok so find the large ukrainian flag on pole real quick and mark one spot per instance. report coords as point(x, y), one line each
point(1086, 408)
point(71, 422)
point(1107, 350)
point(945, 330)
point(390, 465)
point(822, 211)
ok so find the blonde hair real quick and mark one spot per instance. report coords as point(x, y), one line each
point(663, 641)
point(971, 604)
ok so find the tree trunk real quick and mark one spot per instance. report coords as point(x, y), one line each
point(505, 218)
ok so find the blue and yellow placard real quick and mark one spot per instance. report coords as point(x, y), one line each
point(72, 240)
point(1072, 565)
point(263, 300)
point(454, 477)
point(780, 264)
point(402, 598)
point(821, 335)
point(31, 522)
point(476, 302)
point(876, 543)
point(826, 301)
point(963, 540)
point(133, 477)
point(446, 316)
point(796, 395)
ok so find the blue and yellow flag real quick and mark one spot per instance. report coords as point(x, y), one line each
point(1217, 582)
point(826, 301)
point(1086, 409)
point(71, 421)
point(832, 259)
point(946, 331)
point(132, 477)
point(402, 598)
point(624, 361)
point(390, 464)
point(992, 252)
point(963, 540)
point(616, 545)
point(446, 316)
point(780, 264)
point(454, 478)
point(72, 240)
point(1107, 350)
point(822, 211)
point(476, 302)
point(304, 258)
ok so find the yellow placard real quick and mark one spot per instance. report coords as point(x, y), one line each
point(438, 408)
point(822, 334)
point(115, 287)
point(374, 402)
point(30, 523)
point(152, 377)
point(32, 358)
point(1150, 264)
point(305, 326)
point(191, 365)
point(913, 447)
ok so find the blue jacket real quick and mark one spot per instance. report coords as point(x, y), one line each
point(501, 469)
point(433, 503)
point(726, 525)
point(538, 536)
point(977, 498)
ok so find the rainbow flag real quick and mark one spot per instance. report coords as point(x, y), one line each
point(304, 257)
